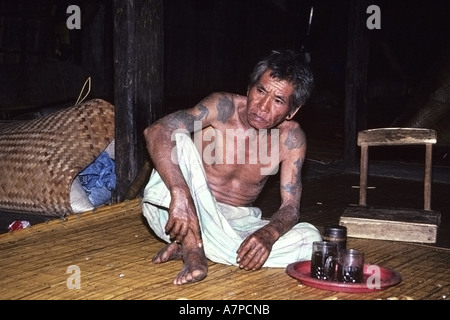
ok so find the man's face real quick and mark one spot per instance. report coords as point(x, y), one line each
point(268, 102)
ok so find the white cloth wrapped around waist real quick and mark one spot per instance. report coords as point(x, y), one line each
point(223, 227)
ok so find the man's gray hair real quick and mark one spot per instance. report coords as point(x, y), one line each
point(289, 66)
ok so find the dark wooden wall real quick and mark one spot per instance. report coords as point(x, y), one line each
point(212, 45)
point(43, 64)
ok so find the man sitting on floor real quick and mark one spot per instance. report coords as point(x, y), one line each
point(211, 163)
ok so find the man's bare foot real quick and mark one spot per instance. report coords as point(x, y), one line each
point(195, 266)
point(171, 251)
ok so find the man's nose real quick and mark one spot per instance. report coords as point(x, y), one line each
point(264, 104)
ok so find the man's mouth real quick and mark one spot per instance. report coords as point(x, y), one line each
point(258, 118)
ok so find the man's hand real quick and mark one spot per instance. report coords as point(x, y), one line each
point(255, 249)
point(182, 219)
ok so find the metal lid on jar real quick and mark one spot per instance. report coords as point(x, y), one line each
point(335, 231)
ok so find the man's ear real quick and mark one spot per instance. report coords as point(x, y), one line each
point(292, 113)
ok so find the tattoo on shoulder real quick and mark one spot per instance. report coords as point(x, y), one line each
point(295, 139)
point(225, 109)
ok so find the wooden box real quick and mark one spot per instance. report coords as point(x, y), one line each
point(396, 224)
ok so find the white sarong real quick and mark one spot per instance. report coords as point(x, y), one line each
point(223, 227)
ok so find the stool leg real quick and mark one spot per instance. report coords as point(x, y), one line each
point(427, 179)
point(363, 175)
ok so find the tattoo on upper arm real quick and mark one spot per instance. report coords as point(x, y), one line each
point(183, 119)
point(225, 109)
point(298, 176)
point(180, 119)
point(294, 188)
point(295, 139)
point(203, 112)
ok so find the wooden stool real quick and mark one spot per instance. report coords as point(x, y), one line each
point(393, 223)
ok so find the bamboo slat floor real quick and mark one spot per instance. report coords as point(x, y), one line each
point(111, 249)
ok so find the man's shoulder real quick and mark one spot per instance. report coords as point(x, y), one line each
point(291, 126)
point(234, 97)
point(227, 102)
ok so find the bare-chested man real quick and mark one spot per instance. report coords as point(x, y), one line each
point(196, 227)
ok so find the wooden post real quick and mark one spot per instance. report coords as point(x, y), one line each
point(427, 178)
point(364, 163)
point(138, 83)
point(356, 78)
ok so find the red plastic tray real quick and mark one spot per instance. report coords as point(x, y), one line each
point(302, 272)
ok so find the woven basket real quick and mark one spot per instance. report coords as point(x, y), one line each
point(40, 158)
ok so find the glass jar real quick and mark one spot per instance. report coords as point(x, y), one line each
point(337, 234)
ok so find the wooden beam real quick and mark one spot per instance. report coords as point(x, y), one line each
point(356, 78)
point(138, 83)
point(396, 136)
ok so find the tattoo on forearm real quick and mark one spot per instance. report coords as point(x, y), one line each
point(225, 109)
point(289, 188)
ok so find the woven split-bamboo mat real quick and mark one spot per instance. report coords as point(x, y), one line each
point(106, 255)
